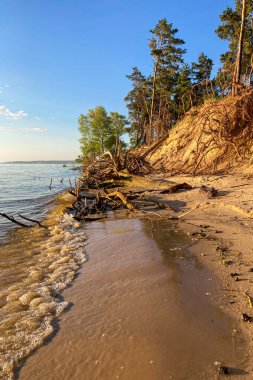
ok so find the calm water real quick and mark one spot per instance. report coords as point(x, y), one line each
point(25, 189)
point(35, 263)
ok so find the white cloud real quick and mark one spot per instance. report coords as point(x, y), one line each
point(30, 130)
point(5, 112)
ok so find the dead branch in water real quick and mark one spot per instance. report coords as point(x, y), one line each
point(10, 218)
point(20, 224)
point(32, 220)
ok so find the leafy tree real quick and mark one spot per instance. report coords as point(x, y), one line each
point(100, 131)
point(118, 124)
point(95, 131)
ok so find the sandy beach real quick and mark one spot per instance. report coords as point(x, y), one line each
point(126, 321)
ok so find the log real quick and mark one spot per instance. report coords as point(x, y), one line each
point(90, 218)
point(175, 188)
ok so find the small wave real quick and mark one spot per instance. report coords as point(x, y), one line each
point(28, 308)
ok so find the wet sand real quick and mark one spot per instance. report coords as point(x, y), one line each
point(140, 310)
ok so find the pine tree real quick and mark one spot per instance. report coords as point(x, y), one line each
point(167, 54)
point(230, 30)
point(201, 74)
point(138, 102)
point(183, 97)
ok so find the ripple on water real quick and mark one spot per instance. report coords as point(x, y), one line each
point(36, 266)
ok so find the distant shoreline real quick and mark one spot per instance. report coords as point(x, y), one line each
point(40, 162)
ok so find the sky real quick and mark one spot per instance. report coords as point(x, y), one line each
point(59, 58)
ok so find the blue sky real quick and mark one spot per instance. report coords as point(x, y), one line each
point(58, 58)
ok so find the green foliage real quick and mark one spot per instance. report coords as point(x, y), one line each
point(118, 128)
point(182, 97)
point(100, 132)
point(229, 30)
point(138, 102)
point(167, 53)
point(166, 48)
point(201, 70)
point(201, 83)
point(157, 101)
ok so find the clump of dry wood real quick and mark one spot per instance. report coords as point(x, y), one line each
point(97, 192)
point(107, 169)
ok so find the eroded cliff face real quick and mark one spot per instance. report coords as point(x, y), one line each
point(215, 138)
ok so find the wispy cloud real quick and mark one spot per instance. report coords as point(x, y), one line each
point(30, 130)
point(5, 112)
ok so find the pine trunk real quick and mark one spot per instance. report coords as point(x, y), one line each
point(153, 103)
point(238, 65)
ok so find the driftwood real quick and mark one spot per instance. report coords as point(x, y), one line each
point(20, 224)
point(247, 318)
point(123, 199)
point(91, 218)
point(94, 194)
point(184, 214)
point(32, 220)
point(175, 188)
point(209, 192)
point(249, 299)
point(11, 219)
